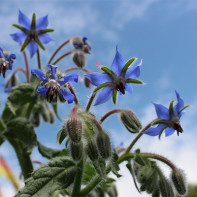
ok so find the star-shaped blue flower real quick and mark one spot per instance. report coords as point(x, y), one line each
point(6, 61)
point(117, 79)
point(32, 33)
point(168, 119)
point(53, 85)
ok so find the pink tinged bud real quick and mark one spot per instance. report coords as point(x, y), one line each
point(74, 128)
point(87, 82)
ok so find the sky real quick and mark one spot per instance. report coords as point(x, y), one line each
point(163, 33)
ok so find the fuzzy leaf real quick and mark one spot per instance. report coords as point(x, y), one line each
point(57, 174)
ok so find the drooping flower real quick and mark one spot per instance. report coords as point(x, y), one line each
point(54, 84)
point(32, 33)
point(117, 79)
point(81, 44)
point(168, 119)
point(6, 61)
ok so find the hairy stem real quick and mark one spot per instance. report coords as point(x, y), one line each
point(90, 101)
point(38, 59)
point(76, 68)
point(109, 113)
point(27, 66)
point(57, 50)
point(62, 56)
point(73, 92)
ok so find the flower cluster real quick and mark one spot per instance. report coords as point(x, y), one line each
point(53, 84)
point(168, 119)
point(117, 79)
point(6, 61)
point(32, 33)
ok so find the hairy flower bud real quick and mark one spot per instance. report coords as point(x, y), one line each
point(92, 151)
point(103, 144)
point(79, 58)
point(156, 192)
point(178, 180)
point(145, 174)
point(130, 121)
point(76, 150)
point(51, 116)
point(165, 188)
point(74, 128)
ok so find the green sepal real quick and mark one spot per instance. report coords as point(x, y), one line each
point(40, 44)
point(25, 43)
point(130, 168)
point(114, 97)
point(33, 22)
point(21, 28)
point(171, 111)
point(161, 132)
point(160, 122)
point(54, 105)
point(186, 106)
point(114, 165)
point(134, 81)
point(126, 66)
point(43, 31)
point(108, 71)
point(102, 86)
point(62, 134)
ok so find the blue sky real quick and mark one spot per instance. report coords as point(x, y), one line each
point(162, 33)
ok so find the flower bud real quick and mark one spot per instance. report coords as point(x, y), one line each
point(156, 193)
point(80, 43)
point(103, 144)
point(51, 116)
point(92, 151)
point(74, 128)
point(44, 113)
point(87, 82)
point(79, 58)
point(145, 174)
point(178, 180)
point(130, 121)
point(165, 188)
point(76, 150)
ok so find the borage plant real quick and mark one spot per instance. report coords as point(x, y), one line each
point(83, 167)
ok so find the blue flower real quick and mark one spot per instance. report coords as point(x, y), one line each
point(32, 33)
point(6, 61)
point(117, 79)
point(168, 119)
point(54, 84)
point(81, 44)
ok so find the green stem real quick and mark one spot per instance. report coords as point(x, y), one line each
point(138, 136)
point(90, 101)
point(57, 50)
point(73, 92)
point(62, 56)
point(27, 66)
point(23, 158)
point(78, 179)
point(38, 59)
point(109, 113)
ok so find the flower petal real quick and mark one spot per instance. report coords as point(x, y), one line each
point(169, 131)
point(73, 78)
point(162, 112)
point(104, 95)
point(67, 95)
point(42, 23)
point(42, 90)
point(118, 63)
point(179, 105)
point(10, 66)
point(128, 88)
point(32, 47)
point(39, 74)
point(153, 131)
point(44, 38)
point(53, 70)
point(133, 72)
point(19, 36)
point(98, 78)
point(1, 53)
point(24, 21)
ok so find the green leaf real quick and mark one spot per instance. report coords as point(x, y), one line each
point(102, 86)
point(134, 81)
point(2, 128)
point(50, 152)
point(21, 129)
point(62, 134)
point(114, 166)
point(99, 165)
point(9, 111)
point(126, 66)
point(89, 173)
point(57, 174)
point(114, 96)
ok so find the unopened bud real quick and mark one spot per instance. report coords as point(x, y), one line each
point(165, 188)
point(80, 43)
point(178, 180)
point(87, 82)
point(79, 58)
point(145, 174)
point(74, 128)
point(103, 144)
point(45, 114)
point(130, 121)
point(156, 193)
point(92, 151)
point(76, 150)
point(51, 117)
